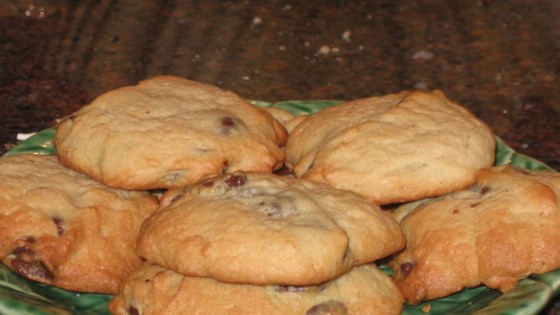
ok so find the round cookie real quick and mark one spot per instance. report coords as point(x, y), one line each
point(261, 228)
point(504, 229)
point(64, 229)
point(167, 132)
point(155, 290)
point(392, 148)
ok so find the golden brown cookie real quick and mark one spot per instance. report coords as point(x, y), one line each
point(266, 229)
point(64, 229)
point(504, 229)
point(155, 290)
point(392, 148)
point(167, 132)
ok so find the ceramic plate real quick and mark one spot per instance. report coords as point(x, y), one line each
point(20, 296)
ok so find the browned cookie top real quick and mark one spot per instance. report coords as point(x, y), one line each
point(167, 132)
point(392, 148)
point(263, 229)
point(502, 230)
point(64, 229)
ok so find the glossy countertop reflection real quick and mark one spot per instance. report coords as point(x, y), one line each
point(500, 59)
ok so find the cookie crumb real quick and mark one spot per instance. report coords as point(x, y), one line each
point(426, 308)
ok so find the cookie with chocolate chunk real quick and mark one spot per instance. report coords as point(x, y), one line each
point(392, 148)
point(167, 132)
point(62, 228)
point(155, 290)
point(504, 229)
point(261, 228)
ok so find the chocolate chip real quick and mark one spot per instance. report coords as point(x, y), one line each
point(36, 270)
point(26, 263)
point(329, 307)
point(484, 190)
point(235, 180)
point(30, 239)
point(407, 268)
point(228, 121)
point(455, 211)
point(285, 171)
point(59, 227)
point(225, 166)
point(227, 125)
point(133, 311)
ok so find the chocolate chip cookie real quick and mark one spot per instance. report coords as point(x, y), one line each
point(392, 148)
point(155, 290)
point(64, 229)
point(258, 228)
point(167, 132)
point(504, 229)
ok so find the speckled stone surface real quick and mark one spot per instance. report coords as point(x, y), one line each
point(498, 58)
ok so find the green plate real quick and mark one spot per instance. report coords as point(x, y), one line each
point(20, 296)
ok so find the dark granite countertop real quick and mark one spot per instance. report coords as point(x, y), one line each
point(500, 59)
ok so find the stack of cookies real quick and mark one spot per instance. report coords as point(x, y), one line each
point(256, 243)
point(227, 234)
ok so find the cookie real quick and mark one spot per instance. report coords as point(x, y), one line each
point(504, 229)
point(392, 148)
point(64, 229)
point(167, 132)
point(259, 228)
point(155, 290)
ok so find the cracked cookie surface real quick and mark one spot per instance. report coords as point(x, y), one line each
point(392, 148)
point(167, 132)
point(505, 228)
point(62, 228)
point(261, 229)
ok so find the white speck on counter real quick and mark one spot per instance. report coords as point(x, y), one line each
point(346, 36)
point(257, 20)
point(246, 78)
point(287, 7)
point(324, 50)
point(423, 54)
point(282, 48)
point(421, 85)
